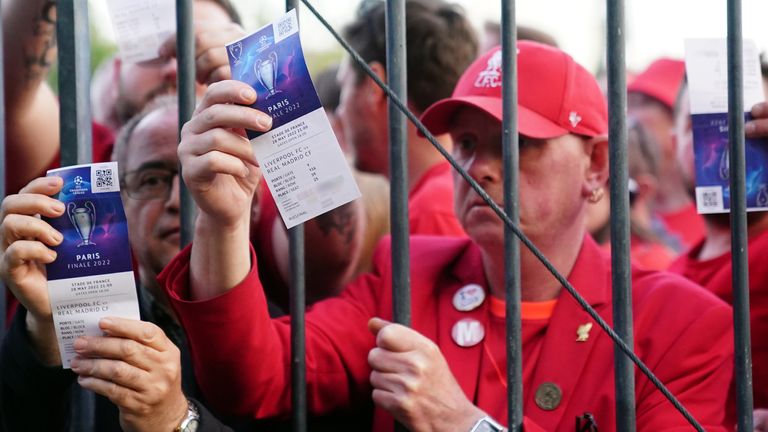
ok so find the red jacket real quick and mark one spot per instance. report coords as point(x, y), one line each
point(430, 204)
point(715, 275)
point(682, 333)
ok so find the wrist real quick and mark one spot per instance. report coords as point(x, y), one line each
point(190, 418)
point(42, 335)
point(467, 418)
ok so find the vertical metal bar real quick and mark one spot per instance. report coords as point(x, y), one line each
point(3, 292)
point(74, 57)
point(298, 348)
point(185, 48)
point(621, 274)
point(297, 308)
point(398, 161)
point(739, 265)
point(510, 155)
point(398, 165)
point(74, 81)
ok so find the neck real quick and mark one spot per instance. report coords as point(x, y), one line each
point(537, 284)
point(718, 233)
point(671, 198)
point(149, 283)
point(422, 155)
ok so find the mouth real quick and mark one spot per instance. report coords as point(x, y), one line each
point(169, 232)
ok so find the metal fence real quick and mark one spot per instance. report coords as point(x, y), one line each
point(73, 43)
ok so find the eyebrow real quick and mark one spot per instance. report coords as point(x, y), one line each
point(156, 164)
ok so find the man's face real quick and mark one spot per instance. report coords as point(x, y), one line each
point(683, 130)
point(140, 83)
point(153, 223)
point(361, 123)
point(656, 118)
point(551, 180)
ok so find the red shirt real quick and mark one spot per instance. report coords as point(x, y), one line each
point(715, 275)
point(242, 357)
point(430, 204)
point(687, 225)
point(103, 142)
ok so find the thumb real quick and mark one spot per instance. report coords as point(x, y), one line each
point(375, 324)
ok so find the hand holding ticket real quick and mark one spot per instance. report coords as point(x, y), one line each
point(91, 276)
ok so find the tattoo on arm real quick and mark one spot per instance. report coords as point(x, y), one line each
point(39, 50)
point(340, 220)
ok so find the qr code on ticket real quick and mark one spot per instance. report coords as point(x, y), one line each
point(285, 27)
point(104, 179)
point(709, 199)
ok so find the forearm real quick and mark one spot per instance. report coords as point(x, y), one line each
point(332, 243)
point(29, 32)
point(220, 257)
point(29, 49)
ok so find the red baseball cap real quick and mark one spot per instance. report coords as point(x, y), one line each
point(556, 96)
point(660, 80)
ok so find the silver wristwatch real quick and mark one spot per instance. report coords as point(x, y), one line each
point(191, 421)
point(487, 424)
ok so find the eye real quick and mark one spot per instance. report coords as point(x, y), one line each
point(155, 178)
point(464, 147)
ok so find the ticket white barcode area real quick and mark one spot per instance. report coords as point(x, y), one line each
point(709, 199)
point(285, 26)
point(104, 178)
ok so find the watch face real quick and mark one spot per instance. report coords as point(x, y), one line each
point(487, 426)
point(191, 426)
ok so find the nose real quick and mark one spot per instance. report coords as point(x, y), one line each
point(172, 203)
point(484, 168)
point(169, 71)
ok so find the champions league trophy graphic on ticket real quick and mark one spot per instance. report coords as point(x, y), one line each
point(92, 276)
point(705, 64)
point(83, 220)
point(300, 157)
point(266, 71)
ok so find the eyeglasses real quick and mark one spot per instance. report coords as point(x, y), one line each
point(149, 183)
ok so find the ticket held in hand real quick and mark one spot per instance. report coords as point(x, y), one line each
point(92, 275)
point(300, 157)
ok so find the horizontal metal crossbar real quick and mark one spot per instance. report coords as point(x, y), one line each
point(503, 216)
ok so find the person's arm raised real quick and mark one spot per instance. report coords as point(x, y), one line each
point(221, 173)
point(29, 49)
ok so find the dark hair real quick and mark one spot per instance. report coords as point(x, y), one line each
point(229, 8)
point(328, 88)
point(440, 45)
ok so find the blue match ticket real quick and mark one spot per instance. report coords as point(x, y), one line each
point(300, 157)
point(706, 68)
point(92, 276)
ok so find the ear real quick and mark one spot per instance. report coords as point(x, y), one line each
point(596, 174)
point(373, 93)
point(647, 186)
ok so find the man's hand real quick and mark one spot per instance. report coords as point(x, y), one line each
point(211, 61)
point(758, 126)
point(138, 368)
point(760, 420)
point(412, 381)
point(219, 167)
point(25, 243)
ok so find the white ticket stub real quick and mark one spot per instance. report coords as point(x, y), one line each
point(141, 26)
point(300, 157)
point(92, 275)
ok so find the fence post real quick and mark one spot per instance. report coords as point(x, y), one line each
point(3, 290)
point(297, 296)
point(185, 49)
point(739, 263)
point(510, 155)
point(621, 271)
point(74, 57)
